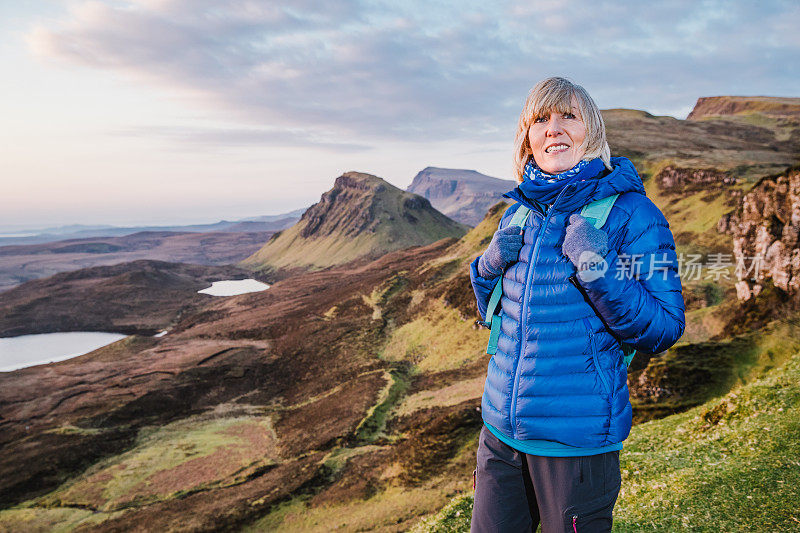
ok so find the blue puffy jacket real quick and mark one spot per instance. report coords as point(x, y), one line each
point(559, 373)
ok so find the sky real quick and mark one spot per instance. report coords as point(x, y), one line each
point(143, 112)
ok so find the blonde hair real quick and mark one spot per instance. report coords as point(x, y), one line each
point(555, 95)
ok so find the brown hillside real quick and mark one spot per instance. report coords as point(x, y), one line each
point(24, 262)
point(137, 297)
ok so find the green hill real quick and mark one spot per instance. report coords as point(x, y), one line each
point(361, 216)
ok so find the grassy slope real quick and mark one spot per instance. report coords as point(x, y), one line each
point(397, 508)
point(731, 464)
point(166, 462)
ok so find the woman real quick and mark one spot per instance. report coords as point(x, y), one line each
point(555, 404)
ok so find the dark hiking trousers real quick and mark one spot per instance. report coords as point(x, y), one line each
point(515, 491)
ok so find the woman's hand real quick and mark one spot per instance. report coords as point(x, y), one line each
point(584, 244)
point(503, 250)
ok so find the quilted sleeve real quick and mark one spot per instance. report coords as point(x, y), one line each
point(483, 286)
point(640, 295)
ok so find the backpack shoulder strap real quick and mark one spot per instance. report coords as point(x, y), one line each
point(520, 215)
point(597, 211)
point(492, 316)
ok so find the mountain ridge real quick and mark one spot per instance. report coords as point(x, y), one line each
point(84, 231)
point(463, 195)
point(362, 215)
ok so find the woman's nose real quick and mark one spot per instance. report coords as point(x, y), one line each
point(554, 126)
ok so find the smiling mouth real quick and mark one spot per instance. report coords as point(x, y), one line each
point(556, 148)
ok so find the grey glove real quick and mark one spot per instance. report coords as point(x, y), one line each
point(580, 238)
point(503, 250)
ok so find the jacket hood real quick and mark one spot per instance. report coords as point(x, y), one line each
point(593, 183)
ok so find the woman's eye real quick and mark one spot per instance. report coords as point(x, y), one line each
point(540, 119)
point(568, 115)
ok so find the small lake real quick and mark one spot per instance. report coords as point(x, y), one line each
point(232, 287)
point(30, 350)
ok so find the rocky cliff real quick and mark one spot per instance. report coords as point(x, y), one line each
point(739, 105)
point(361, 216)
point(463, 195)
point(674, 179)
point(748, 146)
point(765, 231)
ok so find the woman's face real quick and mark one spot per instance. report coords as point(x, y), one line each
point(557, 140)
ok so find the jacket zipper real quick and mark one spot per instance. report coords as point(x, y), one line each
point(595, 356)
point(533, 205)
point(522, 340)
point(574, 523)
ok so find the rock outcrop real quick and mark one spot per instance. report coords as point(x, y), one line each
point(463, 195)
point(765, 231)
point(674, 179)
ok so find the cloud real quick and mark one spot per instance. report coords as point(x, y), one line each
point(420, 72)
point(216, 138)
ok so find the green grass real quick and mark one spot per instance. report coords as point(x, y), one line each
point(453, 518)
point(372, 426)
point(56, 520)
point(167, 462)
point(731, 464)
point(439, 339)
point(446, 396)
point(393, 508)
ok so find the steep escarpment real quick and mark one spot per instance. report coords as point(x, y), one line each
point(361, 216)
point(748, 148)
point(765, 230)
point(463, 195)
point(770, 106)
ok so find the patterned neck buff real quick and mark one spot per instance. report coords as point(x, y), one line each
point(533, 172)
